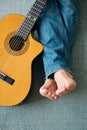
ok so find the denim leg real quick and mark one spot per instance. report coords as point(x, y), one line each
point(69, 13)
point(53, 34)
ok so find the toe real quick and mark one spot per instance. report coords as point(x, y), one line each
point(43, 91)
point(48, 89)
point(61, 91)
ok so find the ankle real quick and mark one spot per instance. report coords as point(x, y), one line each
point(63, 72)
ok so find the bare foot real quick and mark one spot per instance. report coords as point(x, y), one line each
point(65, 82)
point(48, 89)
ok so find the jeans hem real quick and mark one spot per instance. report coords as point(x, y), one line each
point(53, 70)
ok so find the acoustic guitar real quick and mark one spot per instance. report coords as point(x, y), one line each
point(17, 52)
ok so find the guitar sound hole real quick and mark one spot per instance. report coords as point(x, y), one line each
point(16, 43)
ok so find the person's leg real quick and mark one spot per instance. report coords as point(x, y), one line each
point(48, 36)
point(69, 15)
point(56, 57)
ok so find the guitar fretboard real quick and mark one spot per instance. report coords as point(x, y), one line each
point(30, 19)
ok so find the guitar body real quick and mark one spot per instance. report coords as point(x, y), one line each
point(15, 63)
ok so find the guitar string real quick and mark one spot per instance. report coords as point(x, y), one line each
point(15, 62)
point(41, 6)
point(2, 83)
point(9, 57)
point(18, 39)
point(21, 31)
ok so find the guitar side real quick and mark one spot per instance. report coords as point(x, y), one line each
point(15, 64)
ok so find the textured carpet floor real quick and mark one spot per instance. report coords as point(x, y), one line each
point(38, 113)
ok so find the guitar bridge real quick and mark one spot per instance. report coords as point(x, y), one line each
point(6, 78)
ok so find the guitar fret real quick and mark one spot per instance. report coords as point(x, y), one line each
point(25, 26)
point(41, 1)
point(23, 33)
point(25, 29)
point(36, 9)
point(39, 5)
point(30, 19)
point(33, 12)
point(27, 23)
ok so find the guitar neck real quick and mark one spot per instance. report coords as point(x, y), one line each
point(30, 19)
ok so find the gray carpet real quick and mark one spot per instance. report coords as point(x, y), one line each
point(38, 113)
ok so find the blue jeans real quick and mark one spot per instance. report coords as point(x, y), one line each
point(56, 27)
